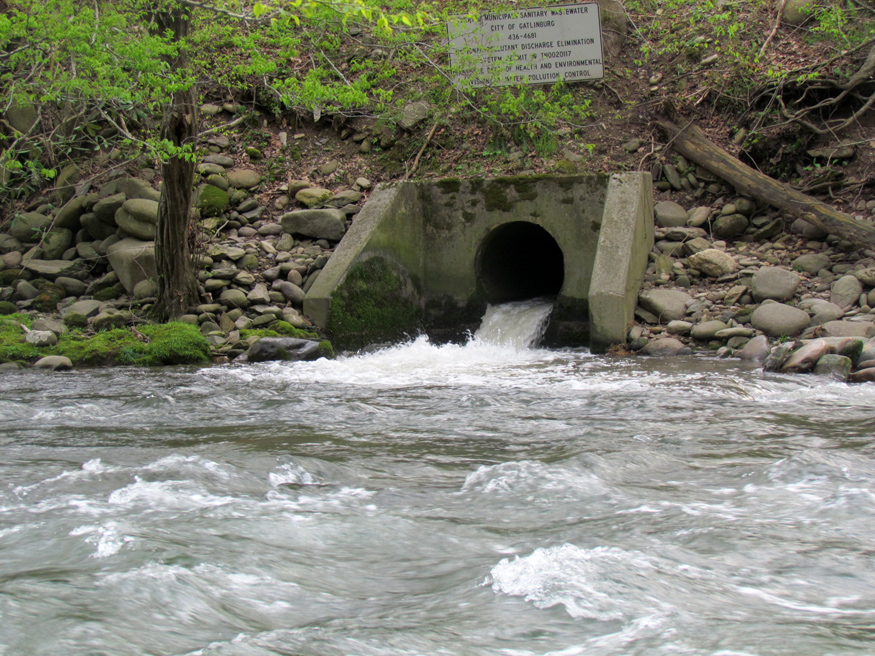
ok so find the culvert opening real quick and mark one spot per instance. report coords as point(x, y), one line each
point(517, 261)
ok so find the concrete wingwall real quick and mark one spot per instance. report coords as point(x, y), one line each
point(455, 245)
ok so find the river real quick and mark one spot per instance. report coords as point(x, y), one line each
point(467, 500)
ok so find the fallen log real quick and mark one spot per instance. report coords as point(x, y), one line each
point(692, 143)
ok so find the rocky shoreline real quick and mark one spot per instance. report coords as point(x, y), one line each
point(726, 278)
point(739, 281)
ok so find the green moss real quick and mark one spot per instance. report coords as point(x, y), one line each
point(449, 185)
point(371, 306)
point(326, 350)
point(48, 298)
point(7, 308)
point(8, 277)
point(13, 348)
point(109, 293)
point(213, 201)
point(278, 329)
point(495, 197)
point(164, 344)
point(525, 188)
point(175, 343)
point(75, 320)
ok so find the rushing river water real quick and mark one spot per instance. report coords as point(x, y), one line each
point(452, 500)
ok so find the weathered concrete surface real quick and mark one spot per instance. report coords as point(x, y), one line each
point(435, 237)
point(625, 240)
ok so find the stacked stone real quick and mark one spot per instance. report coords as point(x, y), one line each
point(92, 262)
point(722, 276)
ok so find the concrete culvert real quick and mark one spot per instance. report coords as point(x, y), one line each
point(517, 261)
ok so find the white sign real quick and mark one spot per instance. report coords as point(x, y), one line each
point(528, 46)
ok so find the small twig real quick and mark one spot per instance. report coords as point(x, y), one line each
point(774, 29)
point(237, 121)
point(421, 151)
point(342, 76)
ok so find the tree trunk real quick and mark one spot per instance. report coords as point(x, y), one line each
point(692, 143)
point(177, 285)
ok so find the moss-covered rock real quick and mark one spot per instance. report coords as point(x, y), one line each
point(152, 345)
point(213, 201)
point(109, 293)
point(7, 308)
point(48, 298)
point(75, 320)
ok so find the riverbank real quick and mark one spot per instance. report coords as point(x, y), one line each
point(727, 277)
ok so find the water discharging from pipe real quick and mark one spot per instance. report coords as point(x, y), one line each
point(520, 324)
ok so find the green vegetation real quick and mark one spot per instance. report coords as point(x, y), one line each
point(371, 306)
point(149, 345)
point(278, 329)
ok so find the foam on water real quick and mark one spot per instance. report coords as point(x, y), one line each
point(604, 583)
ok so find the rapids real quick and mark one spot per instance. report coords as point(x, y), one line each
point(475, 499)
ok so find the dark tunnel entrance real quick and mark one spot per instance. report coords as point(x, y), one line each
point(517, 261)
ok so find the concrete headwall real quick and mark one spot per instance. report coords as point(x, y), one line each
point(450, 243)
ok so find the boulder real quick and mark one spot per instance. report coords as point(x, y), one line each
point(713, 263)
point(698, 216)
point(797, 12)
point(233, 298)
point(69, 215)
point(756, 350)
point(312, 196)
point(327, 224)
point(835, 366)
point(342, 198)
point(413, 114)
point(663, 347)
point(778, 319)
point(259, 295)
point(669, 214)
point(98, 229)
point(865, 276)
point(707, 330)
point(292, 292)
point(846, 291)
point(727, 227)
point(28, 226)
point(106, 208)
point(51, 269)
point(848, 329)
point(86, 308)
point(64, 188)
point(774, 283)
point(133, 260)
point(213, 201)
point(110, 318)
point(54, 363)
point(72, 287)
point(808, 231)
point(134, 188)
point(243, 178)
point(811, 262)
point(665, 304)
point(56, 242)
point(145, 289)
point(804, 359)
point(40, 338)
point(139, 218)
point(283, 348)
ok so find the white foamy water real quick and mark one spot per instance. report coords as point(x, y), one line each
point(473, 500)
point(520, 324)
